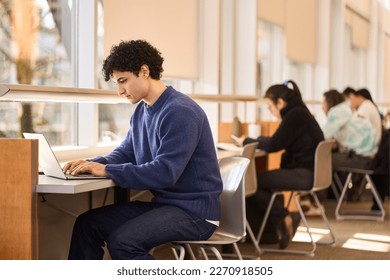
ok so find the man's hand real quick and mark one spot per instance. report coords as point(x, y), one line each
point(83, 166)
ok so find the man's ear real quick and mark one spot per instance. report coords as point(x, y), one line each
point(144, 71)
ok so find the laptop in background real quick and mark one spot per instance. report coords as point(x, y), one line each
point(48, 161)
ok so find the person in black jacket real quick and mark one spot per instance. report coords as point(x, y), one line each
point(298, 135)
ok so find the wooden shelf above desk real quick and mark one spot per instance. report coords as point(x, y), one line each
point(10, 92)
point(17, 92)
point(224, 98)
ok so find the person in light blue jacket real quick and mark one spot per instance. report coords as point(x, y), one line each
point(353, 133)
point(355, 136)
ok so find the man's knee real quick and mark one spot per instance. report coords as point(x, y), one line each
point(123, 246)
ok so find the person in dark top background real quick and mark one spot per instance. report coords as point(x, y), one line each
point(298, 135)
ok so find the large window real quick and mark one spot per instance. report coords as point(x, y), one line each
point(354, 61)
point(49, 43)
point(50, 118)
point(270, 60)
point(114, 118)
point(275, 68)
point(36, 48)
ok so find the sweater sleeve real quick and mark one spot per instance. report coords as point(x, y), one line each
point(178, 133)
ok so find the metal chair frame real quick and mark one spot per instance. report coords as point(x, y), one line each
point(232, 227)
point(322, 180)
point(343, 214)
point(250, 189)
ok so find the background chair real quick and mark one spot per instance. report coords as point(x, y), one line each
point(380, 166)
point(359, 214)
point(322, 180)
point(249, 152)
point(232, 226)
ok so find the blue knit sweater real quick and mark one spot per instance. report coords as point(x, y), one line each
point(170, 151)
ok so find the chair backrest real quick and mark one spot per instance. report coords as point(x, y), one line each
point(233, 195)
point(323, 165)
point(248, 152)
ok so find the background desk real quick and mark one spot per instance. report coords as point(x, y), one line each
point(230, 150)
point(224, 154)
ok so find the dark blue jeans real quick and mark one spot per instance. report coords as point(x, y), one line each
point(131, 229)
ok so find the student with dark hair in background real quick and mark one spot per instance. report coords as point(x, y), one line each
point(298, 135)
point(364, 106)
point(362, 102)
point(355, 136)
point(348, 90)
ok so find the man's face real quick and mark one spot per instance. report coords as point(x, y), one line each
point(130, 86)
point(355, 100)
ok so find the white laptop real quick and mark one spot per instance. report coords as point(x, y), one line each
point(49, 163)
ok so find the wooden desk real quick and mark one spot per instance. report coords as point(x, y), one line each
point(229, 149)
point(224, 154)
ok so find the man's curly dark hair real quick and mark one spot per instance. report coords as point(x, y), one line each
point(129, 56)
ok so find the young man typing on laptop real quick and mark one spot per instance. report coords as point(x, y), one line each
point(168, 150)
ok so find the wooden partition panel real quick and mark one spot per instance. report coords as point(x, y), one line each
point(18, 219)
point(272, 161)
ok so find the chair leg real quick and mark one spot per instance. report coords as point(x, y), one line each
point(214, 250)
point(265, 219)
point(335, 191)
point(182, 249)
point(341, 199)
point(175, 248)
point(189, 251)
point(253, 239)
point(313, 244)
point(362, 214)
point(238, 252)
point(338, 184)
point(303, 217)
point(325, 219)
point(376, 197)
point(309, 252)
